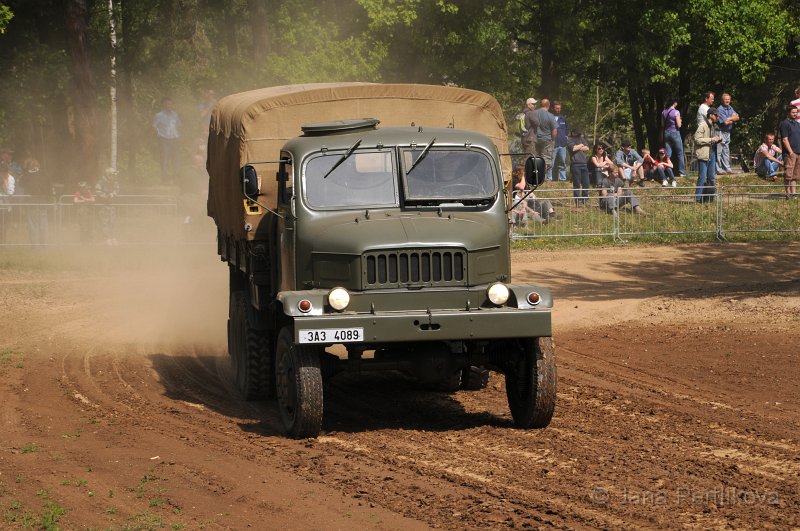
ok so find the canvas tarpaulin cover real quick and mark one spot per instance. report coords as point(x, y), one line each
point(253, 126)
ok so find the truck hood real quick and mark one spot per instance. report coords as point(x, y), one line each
point(356, 236)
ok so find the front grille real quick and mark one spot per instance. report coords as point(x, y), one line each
point(423, 267)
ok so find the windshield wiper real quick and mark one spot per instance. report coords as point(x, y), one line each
point(422, 155)
point(344, 158)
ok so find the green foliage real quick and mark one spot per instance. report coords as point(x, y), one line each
point(29, 448)
point(51, 515)
point(631, 54)
point(746, 35)
point(5, 17)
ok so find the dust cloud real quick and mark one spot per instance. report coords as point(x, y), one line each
point(182, 301)
point(143, 295)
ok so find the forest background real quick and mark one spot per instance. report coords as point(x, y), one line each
point(612, 64)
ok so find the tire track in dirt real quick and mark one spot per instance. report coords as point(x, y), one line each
point(461, 445)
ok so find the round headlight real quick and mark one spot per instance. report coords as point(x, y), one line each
point(338, 298)
point(498, 294)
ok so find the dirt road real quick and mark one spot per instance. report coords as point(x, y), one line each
point(677, 406)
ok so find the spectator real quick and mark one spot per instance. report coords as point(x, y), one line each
point(614, 195)
point(40, 190)
point(578, 148)
point(705, 140)
point(601, 163)
point(702, 110)
point(664, 169)
point(7, 189)
point(531, 125)
point(542, 207)
point(106, 189)
point(790, 133)
point(768, 158)
point(630, 162)
point(84, 199)
point(560, 145)
point(648, 165)
point(519, 209)
point(522, 212)
point(671, 119)
point(166, 124)
point(727, 118)
point(7, 158)
point(796, 101)
point(546, 133)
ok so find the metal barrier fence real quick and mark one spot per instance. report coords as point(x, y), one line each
point(758, 208)
point(735, 209)
point(131, 219)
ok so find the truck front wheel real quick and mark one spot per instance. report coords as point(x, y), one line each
point(298, 380)
point(249, 348)
point(531, 381)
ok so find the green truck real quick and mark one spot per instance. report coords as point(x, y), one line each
point(366, 228)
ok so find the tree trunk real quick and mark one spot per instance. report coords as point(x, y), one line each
point(229, 30)
point(636, 104)
point(112, 31)
point(84, 88)
point(259, 26)
point(129, 124)
point(551, 83)
point(684, 85)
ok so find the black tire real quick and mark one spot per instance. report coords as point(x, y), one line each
point(531, 382)
point(251, 355)
point(474, 378)
point(298, 386)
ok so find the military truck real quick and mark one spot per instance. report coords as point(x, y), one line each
point(366, 228)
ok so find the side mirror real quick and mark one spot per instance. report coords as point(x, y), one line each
point(249, 181)
point(535, 171)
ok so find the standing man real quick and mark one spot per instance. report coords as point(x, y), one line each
point(560, 145)
point(727, 117)
point(705, 140)
point(531, 125)
point(545, 136)
point(578, 148)
point(790, 133)
point(166, 124)
point(702, 111)
point(671, 120)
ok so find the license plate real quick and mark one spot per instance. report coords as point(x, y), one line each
point(332, 335)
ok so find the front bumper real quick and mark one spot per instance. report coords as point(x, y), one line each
point(435, 315)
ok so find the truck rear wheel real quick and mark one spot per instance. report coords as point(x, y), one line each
point(251, 356)
point(531, 381)
point(298, 380)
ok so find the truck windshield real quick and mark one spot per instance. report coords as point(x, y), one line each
point(365, 178)
point(449, 176)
